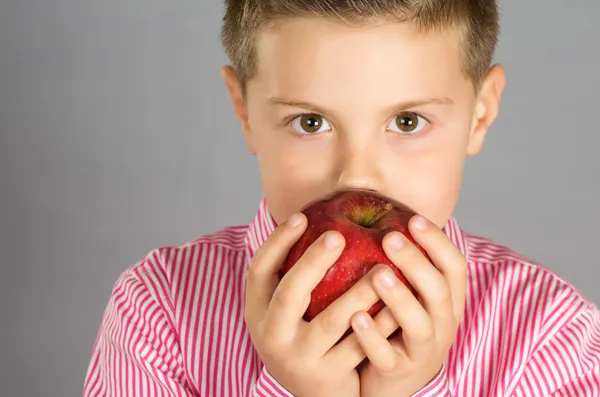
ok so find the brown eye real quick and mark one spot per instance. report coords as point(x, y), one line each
point(407, 123)
point(310, 124)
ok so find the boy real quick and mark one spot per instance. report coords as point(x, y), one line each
point(387, 95)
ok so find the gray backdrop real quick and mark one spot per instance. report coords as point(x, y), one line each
point(117, 137)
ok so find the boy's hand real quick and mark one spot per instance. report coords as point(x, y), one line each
point(303, 357)
point(404, 364)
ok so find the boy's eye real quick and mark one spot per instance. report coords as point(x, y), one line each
point(407, 123)
point(310, 124)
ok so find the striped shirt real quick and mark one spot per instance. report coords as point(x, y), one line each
point(174, 326)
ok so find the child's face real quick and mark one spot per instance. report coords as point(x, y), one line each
point(387, 109)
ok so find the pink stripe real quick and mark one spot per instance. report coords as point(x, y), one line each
point(512, 342)
point(189, 326)
point(223, 309)
point(159, 285)
point(211, 314)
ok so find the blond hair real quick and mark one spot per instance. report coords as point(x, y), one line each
point(476, 21)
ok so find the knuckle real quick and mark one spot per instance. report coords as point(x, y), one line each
point(329, 322)
point(311, 256)
point(364, 293)
point(440, 292)
point(318, 248)
point(317, 256)
point(287, 293)
point(386, 321)
point(424, 336)
point(413, 254)
point(389, 368)
point(282, 298)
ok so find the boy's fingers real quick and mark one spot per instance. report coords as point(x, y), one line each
point(292, 295)
point(348, 353)
point(349, 350)
point(446, 257)
point(262, 275)
point(330, 325)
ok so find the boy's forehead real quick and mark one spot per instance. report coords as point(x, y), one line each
point(312, 56)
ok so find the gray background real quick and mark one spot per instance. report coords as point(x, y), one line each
point(117, 137)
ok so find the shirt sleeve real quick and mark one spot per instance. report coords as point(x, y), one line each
point(136, 350)
point(437, 387)
point(568, 364)
point(267, 386)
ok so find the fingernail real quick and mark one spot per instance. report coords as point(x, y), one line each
point(295, 220)
point(396, 241)
point(387, 278)
point(420, 223)
point(331, 241)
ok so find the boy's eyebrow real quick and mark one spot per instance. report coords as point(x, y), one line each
point(278, 101)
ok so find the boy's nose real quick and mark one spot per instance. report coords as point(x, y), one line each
point(359, 169)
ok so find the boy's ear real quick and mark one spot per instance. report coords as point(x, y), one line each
point(486, 108)
point(239, 103)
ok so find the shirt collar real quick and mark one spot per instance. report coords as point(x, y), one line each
point(260, 228)
point(264, 224)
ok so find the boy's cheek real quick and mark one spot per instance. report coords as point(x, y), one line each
point(432, 190)
point(284, 201)
point(289, 187)
point(438, 202)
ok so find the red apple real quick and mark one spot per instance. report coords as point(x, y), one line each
point(363, 217)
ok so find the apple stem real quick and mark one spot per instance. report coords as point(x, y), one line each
point(387, 208)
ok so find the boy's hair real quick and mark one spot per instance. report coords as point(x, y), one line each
point(476, 21)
